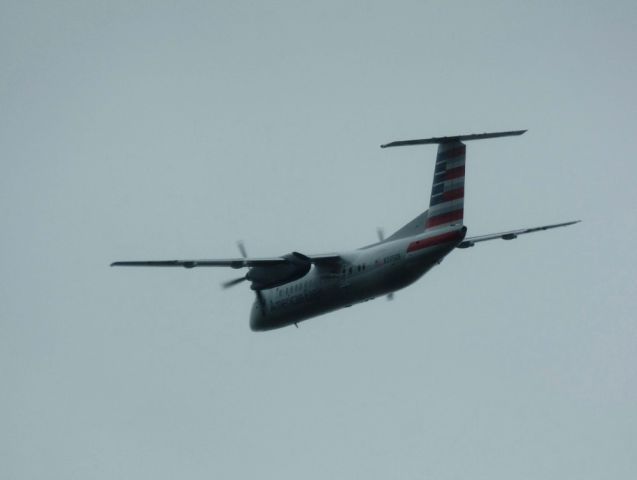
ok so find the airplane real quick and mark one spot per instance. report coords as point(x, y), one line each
point(296, 287)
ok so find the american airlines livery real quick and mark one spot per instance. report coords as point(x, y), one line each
point(296, 287)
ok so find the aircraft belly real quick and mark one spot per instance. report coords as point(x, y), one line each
point(329, 298)
point(287, 311)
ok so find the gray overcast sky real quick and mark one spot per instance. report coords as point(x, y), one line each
point(172, 129)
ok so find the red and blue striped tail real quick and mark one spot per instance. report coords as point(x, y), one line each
point(446, 206)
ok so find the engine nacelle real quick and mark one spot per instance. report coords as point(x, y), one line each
point(263, 278)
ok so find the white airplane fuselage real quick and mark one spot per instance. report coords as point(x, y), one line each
point(363, 275)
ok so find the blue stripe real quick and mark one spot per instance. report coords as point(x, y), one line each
point(441, 167)
point(456, 152)
point(437, 189)
point(440, 177)
point(436, 200)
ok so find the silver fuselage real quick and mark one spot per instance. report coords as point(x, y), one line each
point(363, 274)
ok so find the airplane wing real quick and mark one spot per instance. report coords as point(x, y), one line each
point(510, 235)
point(230, 262)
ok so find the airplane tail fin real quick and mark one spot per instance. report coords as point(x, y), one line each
point(446, 204)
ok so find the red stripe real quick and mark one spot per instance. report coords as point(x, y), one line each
point(453, 194)
point(430, 242)
point(455, 173)
point(445, 218)
point(454, 152)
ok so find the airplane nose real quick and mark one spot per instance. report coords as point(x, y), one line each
point(258, 322)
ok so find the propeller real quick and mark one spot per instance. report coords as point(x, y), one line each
point(242, 249)
point(233, 282)
point(237, 281)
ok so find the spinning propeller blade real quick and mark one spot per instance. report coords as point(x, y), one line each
point(232, 283)
point(242, 249)
point(236, 281)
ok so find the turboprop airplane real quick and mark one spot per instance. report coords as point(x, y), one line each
point(296, 287)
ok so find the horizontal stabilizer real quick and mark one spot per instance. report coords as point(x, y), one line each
point(462, 138)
